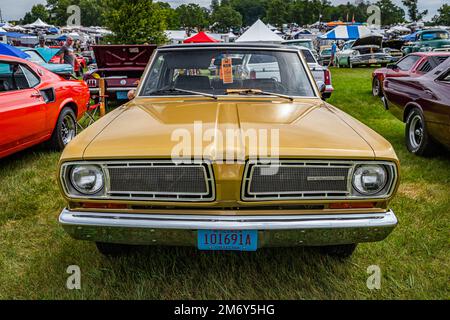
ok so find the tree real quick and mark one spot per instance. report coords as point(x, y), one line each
point(443, 17)
point(250, 10)
point(135, 22)
point(226, 18)
point(391, 14)
point(276, 12)
point(192, 16)
point(171, 15)
point(413, 11)
point(38, 11)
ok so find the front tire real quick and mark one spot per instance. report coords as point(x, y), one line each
point(376, 87)
point(342, 251)
point(65, 129)
point(418, 141)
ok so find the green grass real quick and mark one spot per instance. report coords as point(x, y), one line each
point(414, 259)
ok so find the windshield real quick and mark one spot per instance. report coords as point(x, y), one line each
point(308, 56)
point(217, 71)
point(326, 52)
point(34, 57)
point(435, 35)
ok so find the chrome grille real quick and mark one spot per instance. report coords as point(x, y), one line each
point(160, 180)
point(295, 179)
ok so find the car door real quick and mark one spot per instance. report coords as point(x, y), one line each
point(22, 108)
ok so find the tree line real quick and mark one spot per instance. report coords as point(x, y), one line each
point(141, 21)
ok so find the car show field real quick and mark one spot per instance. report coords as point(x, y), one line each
point(413, 260)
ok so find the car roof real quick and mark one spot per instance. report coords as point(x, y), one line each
point(431, 54)
point(230, 45)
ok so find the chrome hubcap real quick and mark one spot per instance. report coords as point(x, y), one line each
point(68, 129)
point(416, 132)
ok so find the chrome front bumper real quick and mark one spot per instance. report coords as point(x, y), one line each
point(273, 231)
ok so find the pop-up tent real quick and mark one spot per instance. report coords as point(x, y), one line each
point(38, 24)
point(346, 33)
point(7, 50)
point(200, 37)
point(259, 32)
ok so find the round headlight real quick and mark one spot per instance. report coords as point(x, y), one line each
point(369, 179)
point(87, 179)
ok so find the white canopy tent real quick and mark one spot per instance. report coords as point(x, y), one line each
point(259, 32)
point(38, 24)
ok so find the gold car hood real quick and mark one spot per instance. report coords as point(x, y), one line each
point(307, 128)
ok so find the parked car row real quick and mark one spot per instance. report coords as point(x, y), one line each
point(416, 90)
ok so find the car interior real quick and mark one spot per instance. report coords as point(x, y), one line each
point(12, 77)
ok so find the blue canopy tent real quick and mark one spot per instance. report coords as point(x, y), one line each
point(13, 34)
point(347, 33)
point(53, 30)
point(62, 38)
point(7, 50)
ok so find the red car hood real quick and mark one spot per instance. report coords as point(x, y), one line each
point(120, 56)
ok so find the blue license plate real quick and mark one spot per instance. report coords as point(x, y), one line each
point(237, 240)
point(122, 95)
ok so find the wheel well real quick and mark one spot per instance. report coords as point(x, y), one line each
point(408, 109)
point(73, 106)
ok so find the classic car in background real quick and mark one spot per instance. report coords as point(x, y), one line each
point(363, 51)
point(423, 103)
point(429, 40)
point(394, 53)
point(64, 70)
point(321, 74)
point(37, 105)
point(88, 56)
point(325, 181)
point(121, 66)
point(413, 65)
point(325, 55)
point(307, 43)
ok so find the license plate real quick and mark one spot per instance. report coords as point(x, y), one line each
point(122, 95)
point(237, 240)
point(373, 61)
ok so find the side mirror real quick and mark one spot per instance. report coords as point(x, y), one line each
point(131, 94)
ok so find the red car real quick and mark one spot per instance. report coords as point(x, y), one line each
point(423, 103)
point(37, 105)
point(121, 66)
point(413, 65)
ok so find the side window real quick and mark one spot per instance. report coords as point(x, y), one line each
point(31, 78)
point(408, 62)
point(6, 83)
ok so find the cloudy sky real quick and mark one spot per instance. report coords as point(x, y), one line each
point(15, 9)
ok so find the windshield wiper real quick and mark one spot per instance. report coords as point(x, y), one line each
point(258, 91)
point(164, 90)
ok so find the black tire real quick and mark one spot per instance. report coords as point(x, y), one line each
point(418, 141)
point(376, 87)
point(114, 249)
point(65, 129)
point(342, 251)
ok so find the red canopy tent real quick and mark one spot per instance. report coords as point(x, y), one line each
point(200, 37)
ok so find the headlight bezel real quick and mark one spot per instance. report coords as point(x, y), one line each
point(71, 191)
point(358, 174)
point(98, 174)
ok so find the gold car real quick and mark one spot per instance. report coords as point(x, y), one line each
point(228, 147)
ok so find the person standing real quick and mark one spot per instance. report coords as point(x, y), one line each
point(333, 53)
point(66, 52)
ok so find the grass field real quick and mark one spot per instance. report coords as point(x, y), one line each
point(414, 259)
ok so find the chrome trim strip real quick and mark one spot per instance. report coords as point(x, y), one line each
point(308, 195)
point(132, 195)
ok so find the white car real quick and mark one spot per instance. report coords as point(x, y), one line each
point(266, 67)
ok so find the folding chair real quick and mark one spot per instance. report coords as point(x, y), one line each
point(90, 114)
